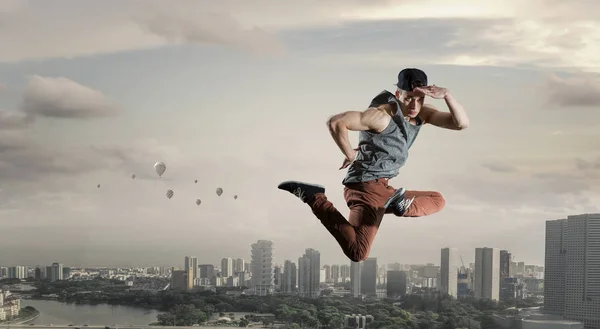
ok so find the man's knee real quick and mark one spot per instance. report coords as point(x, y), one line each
point(357, 255)
point(439, 200)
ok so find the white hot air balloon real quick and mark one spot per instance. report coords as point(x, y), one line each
point(219, 191)
point(198, 201)
point(170, 193)
point(160, 168)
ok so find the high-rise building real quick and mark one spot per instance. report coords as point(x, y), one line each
point(289, 277)
point(487, 273)
point(327, 269)
point(506, 292)
point(262, 267)
point(396, 284)
point(309, 273)
point(227, 267)
point(17, 272)
point(191, 263)
point(344, 272)
point(207, 271)
point(277, 277)
point(239, 265)
point(335, 273)
point(355, 278)
point(555, 264)
point(180, 279)
point(368, 279)
point(574, 242)
point(56, 272)
point(449, 271)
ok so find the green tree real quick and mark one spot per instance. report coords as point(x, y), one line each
point(182, 315)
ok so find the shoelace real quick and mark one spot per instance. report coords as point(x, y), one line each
point(299, 193)
point(404, 204)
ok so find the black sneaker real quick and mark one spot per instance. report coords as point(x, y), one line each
point(398, 203)
point(303, 191)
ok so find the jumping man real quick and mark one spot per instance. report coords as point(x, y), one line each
point(387, 129)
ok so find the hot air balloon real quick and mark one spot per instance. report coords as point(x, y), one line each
point(196, 181)
point(98, 185)
point(219, 191)
point(170, 193)
point(198, 201)
point(235, 197)
point(160, 168)
point(133, 176)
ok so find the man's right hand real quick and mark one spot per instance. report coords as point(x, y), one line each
point(349, 159)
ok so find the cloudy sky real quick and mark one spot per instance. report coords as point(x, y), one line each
point(235, 94)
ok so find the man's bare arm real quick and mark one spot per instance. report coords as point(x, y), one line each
point(374, 119)
point(456, 119)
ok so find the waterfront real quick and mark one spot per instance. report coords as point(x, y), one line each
point(54, 312)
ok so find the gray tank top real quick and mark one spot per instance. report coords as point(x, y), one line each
point(381, 155)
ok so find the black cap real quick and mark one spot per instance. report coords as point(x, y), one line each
point(409, 79)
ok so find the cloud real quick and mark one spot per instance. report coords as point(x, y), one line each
point(576, 91)
point(542, 33)
point(11, 141)
point(13, 120)
point(192, 24)
point(499, 167)
point(82, 29)
point(559, 190)
point(65, 98)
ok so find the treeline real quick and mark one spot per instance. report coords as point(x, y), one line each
point(422, 311)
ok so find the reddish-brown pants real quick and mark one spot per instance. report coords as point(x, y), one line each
point(366, 201)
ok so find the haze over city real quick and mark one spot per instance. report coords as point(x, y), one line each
point(237, 96)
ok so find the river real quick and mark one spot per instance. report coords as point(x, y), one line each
point(53, 312)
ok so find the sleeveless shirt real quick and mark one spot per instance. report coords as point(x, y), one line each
point(381, 155)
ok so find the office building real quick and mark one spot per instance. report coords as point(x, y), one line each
point(396, 284)
point(487, 273)
point(261, 265)
point(450, 263)
point(309, 272)
point(572, 269)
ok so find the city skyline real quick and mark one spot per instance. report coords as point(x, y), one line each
point(281, 262)
point(244, 108)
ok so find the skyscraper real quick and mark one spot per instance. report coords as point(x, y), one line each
point(207, 271)
point(396, 284)
point(555, 264)
point(262, 267)
point(239, 265)
point(227, 267)
point(56, 272)
point(17, 272)
point(505, 260)
point(449, 271)
point(309, 273)
point(355, 278)
point(191, 263)
point(574, 242)
point(289, 277)
point(487, 273)
point(368, 279)
point(344, 271)
point(335, 273)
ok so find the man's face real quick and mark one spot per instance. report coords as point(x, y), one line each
point(413, 103)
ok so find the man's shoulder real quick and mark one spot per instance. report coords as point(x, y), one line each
point(384, 97)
